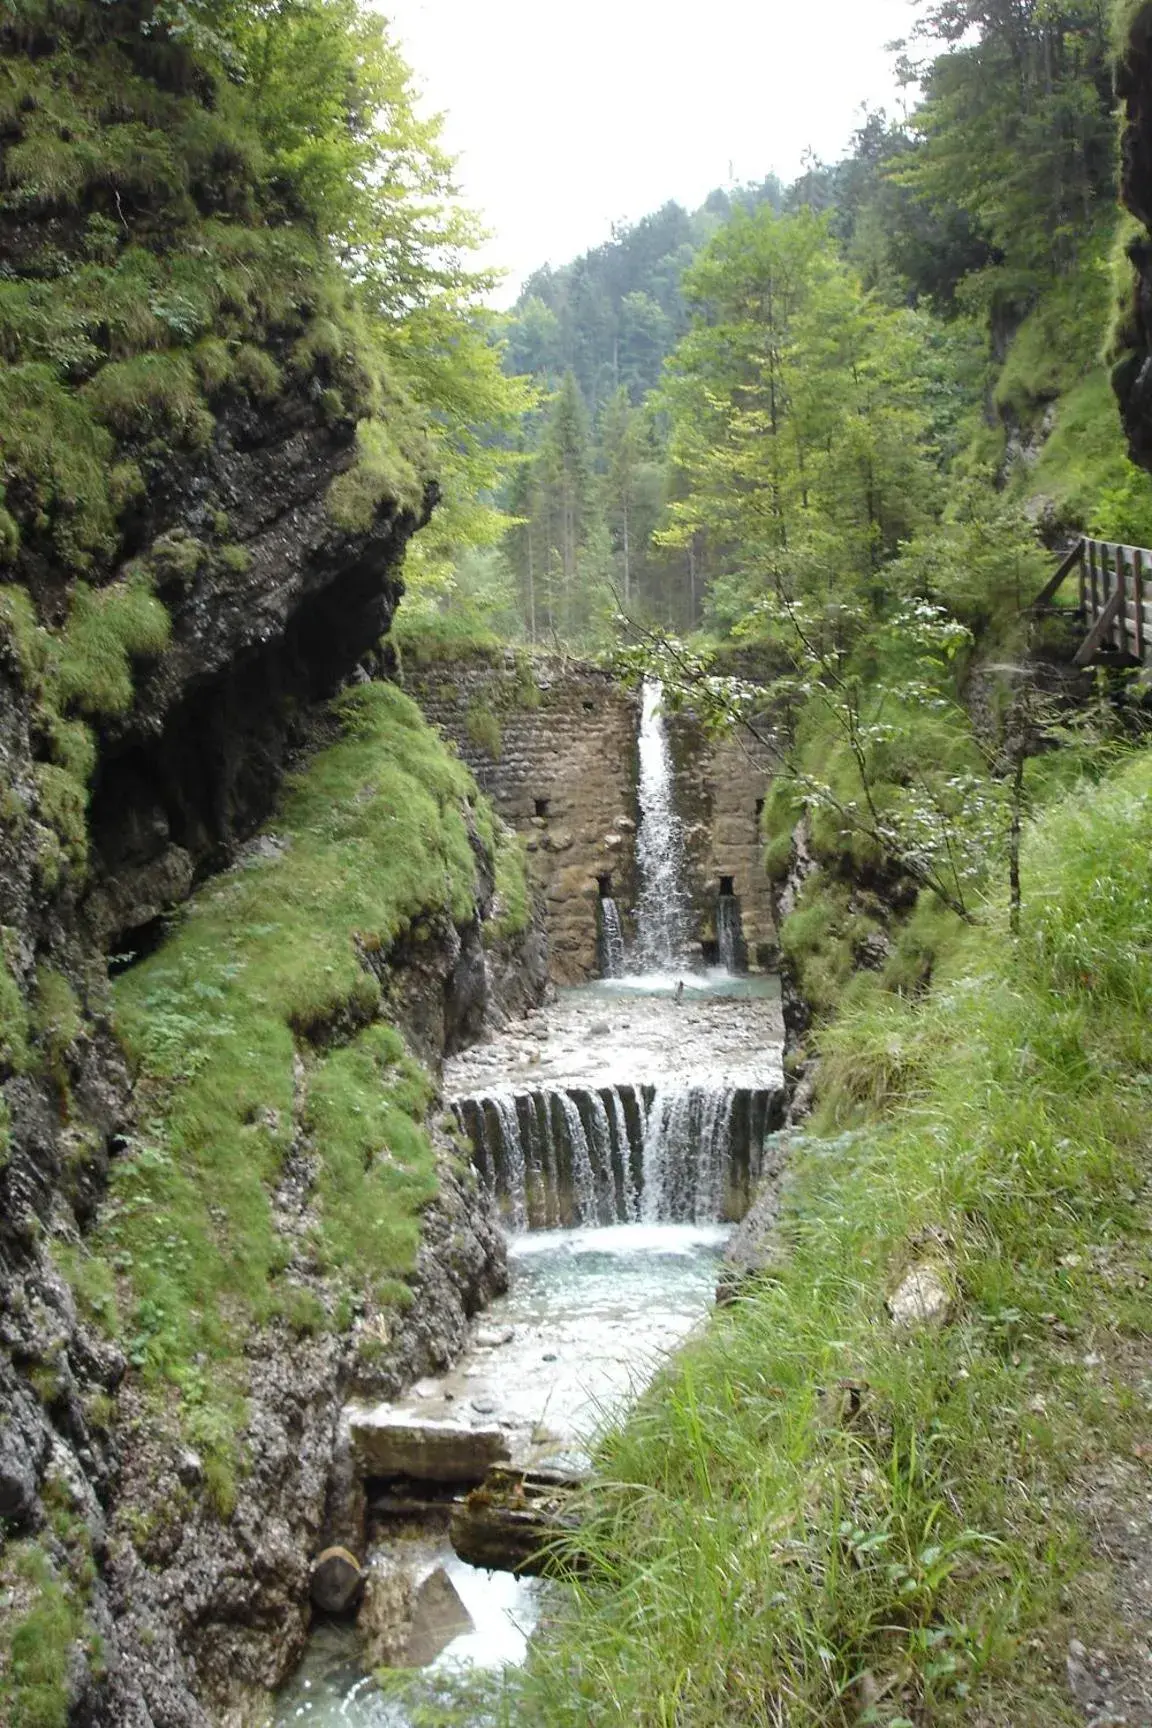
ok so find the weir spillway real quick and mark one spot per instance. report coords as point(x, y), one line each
point(621, 1103)
point(621, 1154)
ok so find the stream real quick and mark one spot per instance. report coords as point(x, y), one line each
point(621, 1131)
point(588, 1315)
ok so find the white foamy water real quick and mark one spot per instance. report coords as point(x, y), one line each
point(589, 1316)
point(662, 909)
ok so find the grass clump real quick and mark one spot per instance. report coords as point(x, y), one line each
point(482, 725)
point(107, 628)
point(817, 1516)
point(424, 636)
point(34, 1666)
point(270, 960)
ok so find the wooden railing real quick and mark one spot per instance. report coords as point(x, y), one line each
point(1115, 584)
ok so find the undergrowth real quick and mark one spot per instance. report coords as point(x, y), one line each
point(817, 1517)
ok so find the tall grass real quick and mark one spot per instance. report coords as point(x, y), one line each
point(815, 1517)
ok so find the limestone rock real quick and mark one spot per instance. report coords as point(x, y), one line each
point(438, 1616)
point(385, 1612)
point(923, 1298)
point(389, 1442)
point(337, 1580)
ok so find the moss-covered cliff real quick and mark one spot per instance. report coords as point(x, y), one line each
point(227, 328)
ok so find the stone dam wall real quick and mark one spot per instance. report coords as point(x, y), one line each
point(553, 741)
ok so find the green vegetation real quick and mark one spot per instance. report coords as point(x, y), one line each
point(107, 627)
point(954, 276)
point(818, 1513)
point(272, 963)
point(257, 209)
point(483, 728)
point(47, 1582)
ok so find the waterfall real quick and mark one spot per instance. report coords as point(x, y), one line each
point(619, 1154)
point(629, 1198)
point(729, 936)
point(662, 911)
point(503, 1108)
point(611, 939)
point(583, 1176)
point(687, 1153)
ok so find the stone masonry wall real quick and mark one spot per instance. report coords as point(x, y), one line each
point(553, 743)
point(721, 784)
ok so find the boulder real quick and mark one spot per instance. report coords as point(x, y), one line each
point(438, 1616)
point(390, 1442)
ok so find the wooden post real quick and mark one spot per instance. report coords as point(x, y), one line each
point(1083, 578)
point(1138, 591)
point(1094, 589)
point(1122, 613)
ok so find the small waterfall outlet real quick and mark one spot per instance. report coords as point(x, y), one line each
point(620, 1154)
point(611, 939)
point(730, 949)
point(662, 909)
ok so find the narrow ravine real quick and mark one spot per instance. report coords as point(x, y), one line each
point(621, 1130)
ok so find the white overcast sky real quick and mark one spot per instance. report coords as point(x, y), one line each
point(569, 117)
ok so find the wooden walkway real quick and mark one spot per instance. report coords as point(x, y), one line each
point(1115, 605)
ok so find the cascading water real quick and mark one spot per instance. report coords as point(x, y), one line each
point(662, 909)
point(618, 1155)
point(611, 939)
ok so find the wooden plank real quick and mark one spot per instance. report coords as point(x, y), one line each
point(1120, 635)
point(1082, 578)
point(1100, 629)
point(1138, 588)
point(1093, 585)
point(1067, 565)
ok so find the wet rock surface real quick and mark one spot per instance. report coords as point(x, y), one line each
point(390, 1442)
point(604, 1036)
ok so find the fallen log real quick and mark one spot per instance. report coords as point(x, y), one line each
point(515, 1521)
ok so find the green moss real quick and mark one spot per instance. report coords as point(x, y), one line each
point(13, 1021)
point(389, 468)
point(267, 958)
point(63, 459)
point(62, 804)
point(106, 629)
point(512, 905)
point(236, 559)
point(55, 1021)
point(176, 559)
point(483, 727)
point(1083, 468)
point(365, 1113)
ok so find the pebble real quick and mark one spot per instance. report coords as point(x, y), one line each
point(483, 1406)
